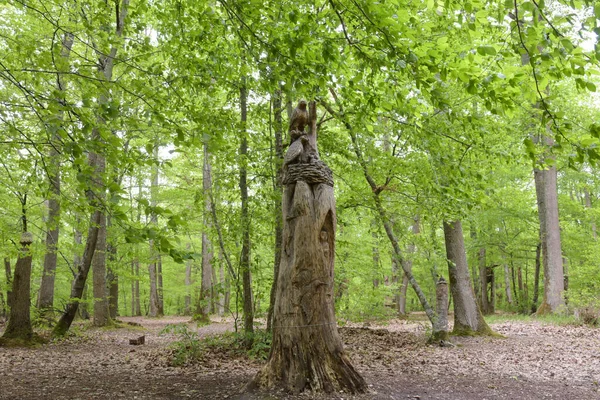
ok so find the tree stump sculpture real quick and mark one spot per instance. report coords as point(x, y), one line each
point(307, 352)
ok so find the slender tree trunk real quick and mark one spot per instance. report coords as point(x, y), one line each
point(46, 293)
point(408, 266)
point(112, 279)
point(64, 323)
point(588, 205)
point(307, 352)
point(204, 299)
point(19, 322)
point(547, 201)
point(222, 292)
point(468, 319)
point(138, 306)
point(278, 190)
point(154, 306)
point(507, 290)
point(159, 276)
point(99, 276)
point(188, 285)
point(8, 274)
point(133, 279)
point(245, 218)
point(440, 327)
point(483, 282)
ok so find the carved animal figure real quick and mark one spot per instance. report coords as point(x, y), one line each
point(295, 150)
point(299, 117)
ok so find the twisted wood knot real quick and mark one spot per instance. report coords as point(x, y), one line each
point(312, 173)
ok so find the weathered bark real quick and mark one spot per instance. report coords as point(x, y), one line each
point(136, 291)
point(46, 293)
point(440, 327)
point(99, 276)
point(66, 319)
point(245, 218)
point(307, 351)
point(547, 201)
point(277, 190)
point(19, 321)
point(223, 292)
point(483, 282)
point(468, 319)
point(159, 288)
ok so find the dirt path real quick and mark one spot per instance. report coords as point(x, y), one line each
point(536, 361)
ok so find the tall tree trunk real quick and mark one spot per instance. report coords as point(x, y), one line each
point(468, 319)
point(154, 306)
point(112, 279)
point(245, 218)
point(46, 293)
point(483, 282)
point(588, 205)
point(99, 276)
point(547, 201)
point(278, 190)
point(138, 306)
point(19, 322)
point(204, 298)
point(307, 352)
point(507, 290)
point(187, 310)
point(408, 266)
point(222, 291)
point(159, 289)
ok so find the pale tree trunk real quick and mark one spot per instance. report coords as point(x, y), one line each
point(307, 352)
point(221, 306)
point(19, 321)
point(507, 290)
point(187, 310)
point(408, 266)
point(245, 218)
point(547, 201)
point(136, 292)
point(159, 289)
point(483, 282)
point(468, 319)
point(277, 189)
point(78, 240)
point(99, 277)
point(46, 293)
point(154, 306)
point(440, 327)
point(204, 298)
point(588, 205)
point(112, 279)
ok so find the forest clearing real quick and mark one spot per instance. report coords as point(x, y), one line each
point(536, 360)
point(390, 198)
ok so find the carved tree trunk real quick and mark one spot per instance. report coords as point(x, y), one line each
point(307, 351)
point(19, 322)
point(468, 319)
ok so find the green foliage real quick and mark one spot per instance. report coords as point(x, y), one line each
point(191, 348)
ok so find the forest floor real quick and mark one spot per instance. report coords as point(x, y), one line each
point(535, 361)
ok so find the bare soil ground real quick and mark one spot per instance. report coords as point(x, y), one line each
point(535, 361)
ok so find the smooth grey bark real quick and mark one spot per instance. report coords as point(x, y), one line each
point(159, 288)
point(468, 319)
point(101, 316)
point(112, 279)
point(19, 321)
point(204, 298)
point(245, 217)
point(507, 290)
point(307, 352)
point(588, 205)
point(154, 302)
point(46, 292)
point(547, 202)
point(484, 295)
point(440, 327)
point(278, 190)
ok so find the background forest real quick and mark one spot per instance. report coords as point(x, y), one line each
point(160, 128)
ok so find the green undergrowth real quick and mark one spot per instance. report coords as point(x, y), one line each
point(550, 319)
point(190, 347)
